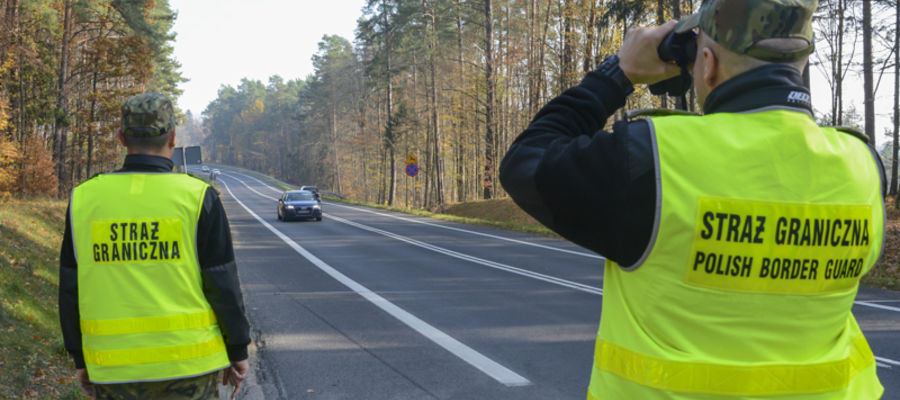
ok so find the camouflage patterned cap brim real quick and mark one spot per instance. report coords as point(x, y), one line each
point(148, 114)
point(739, 25)
point(687, 23)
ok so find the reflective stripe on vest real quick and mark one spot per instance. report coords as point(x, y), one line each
point(148, 324)
point(159, 354)
point(732, 380)
point(765, 224)
point(144, 316)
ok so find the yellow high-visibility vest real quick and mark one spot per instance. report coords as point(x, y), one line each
point(766, 223)
point(143, 313)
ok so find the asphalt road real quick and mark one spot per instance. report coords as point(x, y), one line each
point(371, 304)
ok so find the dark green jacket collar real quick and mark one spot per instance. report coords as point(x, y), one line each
point(769, 86)
point(146, 163)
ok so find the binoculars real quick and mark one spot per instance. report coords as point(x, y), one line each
point(682, 49)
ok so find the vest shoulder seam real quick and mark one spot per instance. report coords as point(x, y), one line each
point(198, 178)
point(657, 112)
point(93, 176)
point(852, 132)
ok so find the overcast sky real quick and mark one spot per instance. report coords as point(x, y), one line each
point(221, 41)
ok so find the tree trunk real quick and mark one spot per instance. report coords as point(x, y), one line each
point(868, 81)
point(461, 125)
point(336, 186)
point(506, 132)
point(60, 128)
point(489, 136)
point(568, 53)
point(532, 60)
point(393, 176)
point(896, 100)
point(10, 25)
point(540, 69)
point(9, 48)
point(590, 30)
point(435, 119)
point(382, 192)
point(679, 100)
point(282, 151)
point(661, 19)
point(425, 170)
point(837, 106)
point(406, 192)
point(392, 187)
point(90, 126)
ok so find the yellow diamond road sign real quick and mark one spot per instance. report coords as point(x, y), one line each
point(411, 159)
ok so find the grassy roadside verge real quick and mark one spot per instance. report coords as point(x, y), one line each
point(886, 274)
point(32, 357)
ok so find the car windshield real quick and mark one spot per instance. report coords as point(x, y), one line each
point(299, 197)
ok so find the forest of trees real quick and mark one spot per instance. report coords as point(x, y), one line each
point(66, 67)
point(452, 81)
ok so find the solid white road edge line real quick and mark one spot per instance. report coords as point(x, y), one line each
point(452, 228)
point(490, 367)
point(883, 362)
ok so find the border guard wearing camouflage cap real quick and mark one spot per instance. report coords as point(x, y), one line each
point(150, 304)
point(735, 240)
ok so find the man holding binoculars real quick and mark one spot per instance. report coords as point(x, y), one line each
point(735, 240)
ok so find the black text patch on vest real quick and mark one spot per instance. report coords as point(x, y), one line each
point(779, 247)
point(137, 241)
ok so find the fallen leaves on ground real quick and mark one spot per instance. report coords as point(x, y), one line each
point(886, 273)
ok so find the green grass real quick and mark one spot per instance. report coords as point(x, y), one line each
point(886, 273)
point(32, 357)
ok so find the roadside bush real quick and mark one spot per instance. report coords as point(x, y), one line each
point(9, 156)
point(37, 176)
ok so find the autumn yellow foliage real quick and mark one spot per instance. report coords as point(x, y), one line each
point(37, 177)
point(9, 156)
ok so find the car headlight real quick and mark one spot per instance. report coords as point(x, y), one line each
point(289, 207)
point(316, 207)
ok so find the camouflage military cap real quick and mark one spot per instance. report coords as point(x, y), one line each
point(148, 114)
point(739, 25)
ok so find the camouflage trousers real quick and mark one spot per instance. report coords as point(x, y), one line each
point(203, 387)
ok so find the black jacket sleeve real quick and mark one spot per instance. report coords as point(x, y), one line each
point(221, 285)
point(593, 187)
point(69, 319)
